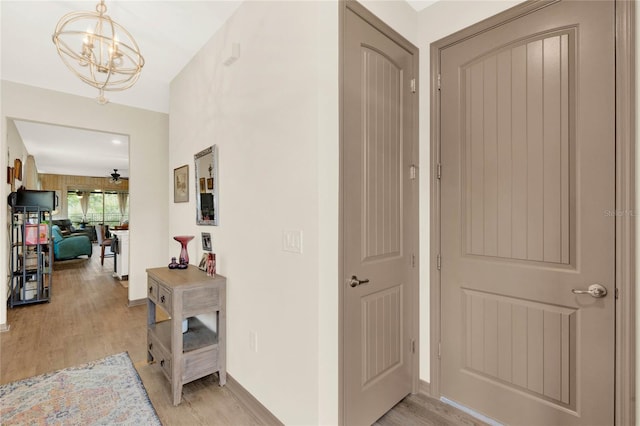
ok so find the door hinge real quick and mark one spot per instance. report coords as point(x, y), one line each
point(439, 81)
point(413, 260)
point(439, 350)
point(439, 171)
point(413, 85)
point(438, 262)
point(617, 293)
point(413, 171)
point(412, 346)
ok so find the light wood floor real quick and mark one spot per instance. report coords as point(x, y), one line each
point(421, 410)
point(88, 319)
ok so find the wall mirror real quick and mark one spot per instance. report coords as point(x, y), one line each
point(206, 172)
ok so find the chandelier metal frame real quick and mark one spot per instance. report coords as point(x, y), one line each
point(98, 50)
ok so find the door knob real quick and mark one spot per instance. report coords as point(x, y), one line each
point(595, 290)
point(354, 281)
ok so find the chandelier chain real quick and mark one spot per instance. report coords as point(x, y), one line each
point(101, 8)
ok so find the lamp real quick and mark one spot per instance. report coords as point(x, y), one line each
point(98, 50)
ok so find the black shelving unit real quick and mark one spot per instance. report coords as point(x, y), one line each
point(31, 255)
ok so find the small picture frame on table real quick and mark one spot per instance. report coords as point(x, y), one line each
point(206, 241)
point(203, 262)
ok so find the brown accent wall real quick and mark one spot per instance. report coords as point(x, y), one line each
point(64, 182)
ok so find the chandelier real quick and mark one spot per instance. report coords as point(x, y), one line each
point(98, 50)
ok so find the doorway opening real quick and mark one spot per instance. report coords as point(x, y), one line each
point(78, 164)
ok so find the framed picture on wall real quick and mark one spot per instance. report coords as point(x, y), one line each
point(17, 169)
point(202, 185)
point(181, 184)
point(206, 241)
point(209, 183)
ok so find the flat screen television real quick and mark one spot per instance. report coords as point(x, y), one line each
point(44, 200)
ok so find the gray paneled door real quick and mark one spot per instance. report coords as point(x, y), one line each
point(380, 226)
point(527, 152)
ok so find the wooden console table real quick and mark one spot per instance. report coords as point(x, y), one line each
point(200, 351)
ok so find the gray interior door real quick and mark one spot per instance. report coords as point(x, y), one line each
point(379, 222)
point(527, 191)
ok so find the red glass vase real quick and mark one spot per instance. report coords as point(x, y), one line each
point(183, 240)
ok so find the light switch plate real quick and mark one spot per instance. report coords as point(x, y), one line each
point(292, 241)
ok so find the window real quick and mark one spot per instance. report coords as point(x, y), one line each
point(102, 207)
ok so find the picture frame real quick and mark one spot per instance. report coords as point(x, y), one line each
point(209, 183)
point(203, 262)
point(203, 188)
point(17, 169)
point(206, 241)
point(181, 184)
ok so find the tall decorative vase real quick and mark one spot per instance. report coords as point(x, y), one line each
point(184, 240)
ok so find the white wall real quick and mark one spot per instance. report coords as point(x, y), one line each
point(15, 150)
point(148, 136)
point(273, 115)
point(12, 148)
point(327, 152)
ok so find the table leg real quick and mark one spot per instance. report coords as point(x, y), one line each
point(177, 393)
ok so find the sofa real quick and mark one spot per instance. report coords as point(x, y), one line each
point(71, 246)
point(66, 227)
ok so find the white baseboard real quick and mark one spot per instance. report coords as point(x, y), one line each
point(471, 412)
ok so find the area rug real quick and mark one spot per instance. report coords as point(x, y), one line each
point(104, 392)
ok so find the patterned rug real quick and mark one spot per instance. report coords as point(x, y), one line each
point(104, 392)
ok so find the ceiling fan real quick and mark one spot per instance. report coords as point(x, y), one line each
point(115, 177)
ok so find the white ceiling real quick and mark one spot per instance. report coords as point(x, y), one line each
point(84, 152)
point(169, 34)
point(418, 5)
